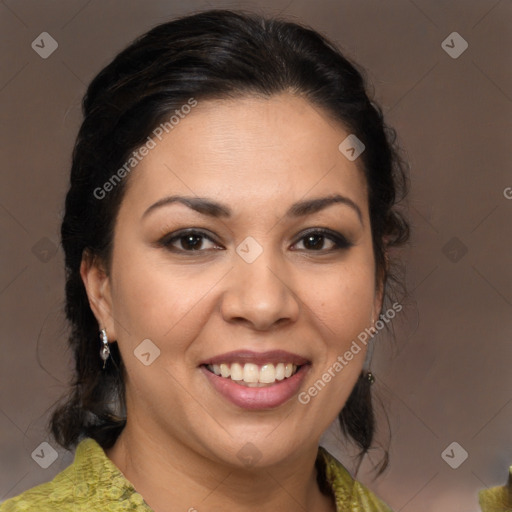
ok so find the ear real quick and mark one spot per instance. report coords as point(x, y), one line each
point(97, 285)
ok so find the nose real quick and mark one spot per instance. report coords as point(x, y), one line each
point(259, 294)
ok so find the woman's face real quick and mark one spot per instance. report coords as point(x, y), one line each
point(270, 273)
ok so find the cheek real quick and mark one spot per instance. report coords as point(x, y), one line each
point(343, 300)
point(159, 301)
point(341, 306)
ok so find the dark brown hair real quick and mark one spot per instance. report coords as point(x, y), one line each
point(214, 54)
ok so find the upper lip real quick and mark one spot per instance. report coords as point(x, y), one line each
point(260, 358)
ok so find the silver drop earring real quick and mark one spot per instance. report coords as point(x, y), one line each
point(105, 350)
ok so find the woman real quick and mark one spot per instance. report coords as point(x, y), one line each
point(227, 233)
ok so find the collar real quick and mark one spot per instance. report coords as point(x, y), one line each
point(497, 499)
point(93, 473)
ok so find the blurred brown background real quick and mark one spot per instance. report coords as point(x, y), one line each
point(447, 377)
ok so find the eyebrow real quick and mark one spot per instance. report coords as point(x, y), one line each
point(215, 209)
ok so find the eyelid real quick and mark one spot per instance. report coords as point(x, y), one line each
point(167, 239)
point(341, 241)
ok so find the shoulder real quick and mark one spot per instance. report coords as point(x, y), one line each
point(350, 494)
point(46, 496)
point(91, 482)
point(57, 494)
point(497, 499)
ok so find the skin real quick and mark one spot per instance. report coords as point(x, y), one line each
point(256, 156)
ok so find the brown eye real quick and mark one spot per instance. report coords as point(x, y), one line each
point(188, 241)
point(315, 240)
point(191, 242)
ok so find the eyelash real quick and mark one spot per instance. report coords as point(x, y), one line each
point(341, 243)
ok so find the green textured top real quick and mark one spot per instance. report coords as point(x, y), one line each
point(94, 482)
point(497, 499)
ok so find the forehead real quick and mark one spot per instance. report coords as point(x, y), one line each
point(251, 150)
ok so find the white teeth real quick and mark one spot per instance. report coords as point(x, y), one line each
point(252, 375)
point(236, 372)
point(224, 370)
point(267, 373)
point(280, 371)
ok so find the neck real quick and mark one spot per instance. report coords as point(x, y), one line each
point(177, 478)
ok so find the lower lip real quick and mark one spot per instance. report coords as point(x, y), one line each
point(257, 398)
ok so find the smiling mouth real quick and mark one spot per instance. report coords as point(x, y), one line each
point(253, 375)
